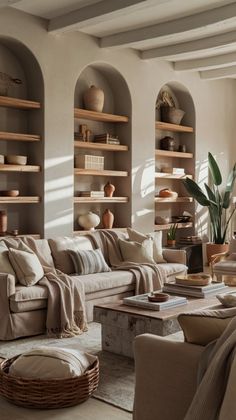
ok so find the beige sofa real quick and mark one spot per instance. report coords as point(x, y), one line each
point(23, 309)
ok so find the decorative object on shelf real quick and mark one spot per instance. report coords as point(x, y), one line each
point(109, 189)
point(171, 235)
point(89, 221)
point(161, 220)
point(14, 232)
point(218, 204)
point(182, 219)
point(16, 159)
point(89, 162)
point(94, 194)
point(94, 99)
point(2, 159)
point(3, 222)
point(9, 193)
point(182, 148)
point(166, 192)
point(88, 134)
point(81, 135)
point(106, 138)
point(169, 112)
point(107, 219)
point(6, 81)
point(174, 171)
point(168, 143)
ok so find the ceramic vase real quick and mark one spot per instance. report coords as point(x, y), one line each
point(107, 219)
point(3, 222)
point(109, 189)
point(94, 99)
point(89, 221)
point(212, 249)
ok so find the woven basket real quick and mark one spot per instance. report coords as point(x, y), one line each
point(47, 393)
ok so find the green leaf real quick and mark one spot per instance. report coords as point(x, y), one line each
point(210, 193)
point(214, 170)
point(196, 192)
point(229, 188)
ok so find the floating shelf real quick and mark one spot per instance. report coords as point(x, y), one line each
point(18, 103)
point(171, 176)
point(19, 168)
point(99, 116)
point(167, 226)
point(101, 200)
point(95, 172)
point(173, 127)
point(167, 153)
point(19, 200)
point(101, 146)
point(84, 232)
point(4, 135)
point(31, 235)
point(173, 200)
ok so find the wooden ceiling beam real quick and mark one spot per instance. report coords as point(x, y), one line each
point(216, 61)
point(226, 72)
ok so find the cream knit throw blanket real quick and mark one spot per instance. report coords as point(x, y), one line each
point(66, 298)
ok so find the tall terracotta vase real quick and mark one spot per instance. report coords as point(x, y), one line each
point(109, 189)
point(94, 99)
point(3, 222)
point(107, 219)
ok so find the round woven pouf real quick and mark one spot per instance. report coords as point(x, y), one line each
point(49, 393)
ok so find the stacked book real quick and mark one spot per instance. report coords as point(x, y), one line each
point(195, 291)
point(190, 240)
point(106, 138)
point(94, 194)
point(141, 301)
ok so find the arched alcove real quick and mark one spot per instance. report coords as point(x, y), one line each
point(117, 158)
point(175, 153)
point(22, 128)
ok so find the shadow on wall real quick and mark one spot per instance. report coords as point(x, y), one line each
point(144, 188)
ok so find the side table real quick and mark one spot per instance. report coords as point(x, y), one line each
point(193, 255)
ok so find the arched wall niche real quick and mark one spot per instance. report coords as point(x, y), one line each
point(118, 102)
point(165, 164)
point(18, 61)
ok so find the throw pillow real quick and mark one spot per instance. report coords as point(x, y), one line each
point(27, 266)
point(136, 236)
point(137, 252)
point(88, 262)
point(5, 265)
point(51, 362)
point(205, 326)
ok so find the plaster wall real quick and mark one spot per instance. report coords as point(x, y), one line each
point(62, 58)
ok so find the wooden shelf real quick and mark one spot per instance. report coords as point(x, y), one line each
point(101, 146)
point(167, 226)
point(99, 116)
point(173, 200)
point(19, 168)
point(4, 135)
point(31, 235)
point(171, 176)
point(19, 200)
point(167, 153)
point(84, 232)
point(95, 172)
point(18, 103)
point(101, 200)
point(173, 127)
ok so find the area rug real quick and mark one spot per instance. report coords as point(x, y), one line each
point(116, 385)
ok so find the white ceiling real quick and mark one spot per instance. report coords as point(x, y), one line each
point(197, 35)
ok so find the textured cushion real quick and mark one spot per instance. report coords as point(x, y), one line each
point(105, 281)
point(227, 266)
point(28, 298)
point(136, 236)
point(5, 265)
point(202, 327)
point(60, 247)
point(89, 262)
point(137, 252)
point(173, 269)
point(27, 266)
point(51, 362)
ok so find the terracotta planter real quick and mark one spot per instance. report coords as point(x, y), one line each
point(212, 249)
point(107, 219)
point(94, 99)
point(3, 222)
point(171, 242)
point(109, 189)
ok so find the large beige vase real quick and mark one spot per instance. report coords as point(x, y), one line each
point(212, 249)
point(94, 99)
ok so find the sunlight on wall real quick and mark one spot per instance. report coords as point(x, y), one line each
point(202, 218)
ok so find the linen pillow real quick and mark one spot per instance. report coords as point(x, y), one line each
point(27, 266)
point(51, 362)
point(202, 327)
point(136, 236)
point(5, 265)
point(135, 252)
point(88, 262)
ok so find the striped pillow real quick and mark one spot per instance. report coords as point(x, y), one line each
point(89, 261)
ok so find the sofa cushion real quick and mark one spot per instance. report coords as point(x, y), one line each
point(173, 268)
point(5, 265)
point(28, 298)
point(104, 281)
point(27, 266)
point(41, 249)
point(60, 247)
point(134, 235)
point(137, 252)
point(89, 261)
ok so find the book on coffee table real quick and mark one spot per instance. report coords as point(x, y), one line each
point(195, 291)
point(142, 301)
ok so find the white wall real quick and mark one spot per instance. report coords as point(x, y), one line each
point(62, 58)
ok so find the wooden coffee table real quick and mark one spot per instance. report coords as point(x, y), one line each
point(121, 323)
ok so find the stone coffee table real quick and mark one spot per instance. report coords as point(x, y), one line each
point(121, 323)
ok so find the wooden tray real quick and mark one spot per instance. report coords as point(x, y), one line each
point(194, 279)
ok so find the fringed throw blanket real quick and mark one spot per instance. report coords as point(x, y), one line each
point(215, 397)
point(66, 298)
point(148, 277)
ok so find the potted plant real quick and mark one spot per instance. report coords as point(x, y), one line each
point(218, 202)
point(171, 235)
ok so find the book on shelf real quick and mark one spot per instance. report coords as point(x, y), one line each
point(190, 240)
point(141, 301)
point(106, 138)
point(195, 291)
point(91, 194)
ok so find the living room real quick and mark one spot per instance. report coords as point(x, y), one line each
point(89, 161)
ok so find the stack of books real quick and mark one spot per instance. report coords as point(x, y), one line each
point(94, 194)
point(195, 291)
point(141, 301)
point(106, 138)
point(190, 240)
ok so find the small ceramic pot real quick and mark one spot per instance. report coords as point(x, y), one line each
point(94, 99)
point(109, 189)
point(16, 159)
point(171, 242)
point(89, 221)
point(107, 219)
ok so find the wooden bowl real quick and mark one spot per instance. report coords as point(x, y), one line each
point(9, 193)
point(200, 279)
point(168, 193)
point(16, 159)
point(158, 297)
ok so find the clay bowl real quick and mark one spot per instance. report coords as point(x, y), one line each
point(16, 159)
point(200, 279)
point(158, 297)
point(9, 193)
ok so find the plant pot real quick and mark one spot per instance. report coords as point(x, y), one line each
point(171, 115)
point(94, 99)
point(171, 242)
point(212, 249)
